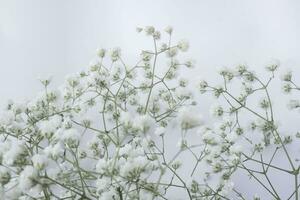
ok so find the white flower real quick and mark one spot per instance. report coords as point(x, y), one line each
point(16, 154)
point(216, 111)
point(143, 122)
point(126, 118)
point(39, 161)
point(101, 166)
point(7, 117)
point(115, 54)
point(4, 175)
point(149, 30)
point(183, 92)
point(172, 52)
point(236, 149)
point(28, 178)
point(45, 80)
point(169, 30)
point(125, 150)
point(273, 65)
point(72, 80)
point(139, 29)
point(183, 45)
point(134, 166)
point(101, 52)
point(4, 147)
point(287, 76)
point(71, 137)
point(190, 63)
point(232, 136)
point(156, 35)
point(189, 119)
point(209, 137)
point(54, 151)
point(48, 127)
point(227, 187)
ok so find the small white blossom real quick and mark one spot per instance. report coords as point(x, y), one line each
point(189, 118)
point(101, 52)
point(287, 76)
point(49, 127)
point(16, 154)
point(54, 151)
point(39, 161)
point(28, 178)
point(4, 175)
point(169, 30)
point(183, 45)
point(273, 65)
point(115, 54)
point(217, 111)
point(101, 166)
point(71, 137)
point(149, 30)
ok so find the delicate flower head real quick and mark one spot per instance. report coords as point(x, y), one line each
point(169, 30)
point(183, 45)
point(28, 178)
point(149, 30)
point(115, 54)
point(101, 52)
point(39, 161)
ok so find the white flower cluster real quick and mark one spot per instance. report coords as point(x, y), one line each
point(106, 133)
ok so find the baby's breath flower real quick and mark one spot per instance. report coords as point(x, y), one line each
point(139, 29)
point(4, 175)
point(101, 53)
point(28, 178)
point(71, 137)
point(287, 76)
point(172, 52)
point(149, 30)
point(189, 119)
point(217, 111)
point(176, 164)
point(264, 103)
point(169, 30)
point(189, 63)
point(39, 161)
point(115, 54)
point(287, 88)
point(241, 69)
point(203, 85)
point(156, 35)
point(183, 45)
point(273, 65)
point(46, 81)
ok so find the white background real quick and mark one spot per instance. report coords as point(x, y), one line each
point(59, 37)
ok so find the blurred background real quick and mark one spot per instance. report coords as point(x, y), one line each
point(55, 37)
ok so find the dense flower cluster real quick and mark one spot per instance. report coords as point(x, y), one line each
point(102, 135)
